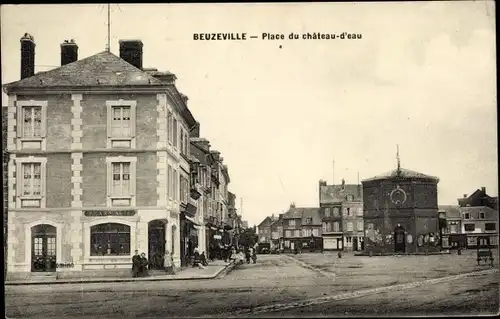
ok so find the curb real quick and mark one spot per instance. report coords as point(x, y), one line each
point(351, 295)
point(226, 270)
point(103, 280)
point(307, 266)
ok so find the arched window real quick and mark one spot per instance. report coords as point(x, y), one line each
point(109, 239)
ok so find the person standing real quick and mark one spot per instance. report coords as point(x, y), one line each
point(136, 264)
point(168, 263)
point(143, 269)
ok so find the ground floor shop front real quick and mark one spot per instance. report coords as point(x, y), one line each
point(94, 242)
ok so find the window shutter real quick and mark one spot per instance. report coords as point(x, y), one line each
point(20, 123)
point(132, 120)
point(109, 178)
point(133, 178)
point(43, 129)
point(43, 177)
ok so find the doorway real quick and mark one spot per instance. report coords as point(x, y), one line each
point(355, 244)
point(156, 244)
point(399, 240)
point(43, 248)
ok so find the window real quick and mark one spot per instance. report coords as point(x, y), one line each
point(306, 232)
point(296, 233)
point(31, 124)
point(288, 233)
point(469, 227)
point(324, 227)
point(309, 220)
point(327, 212)
point(315, 232)
point(348, 240)
point(291, 222)
point(181, 135)
point(482, 215)
point(471, 241)
point(490, 226)
point(454, 229)
point(186, 144)
point(31, 177)
point(349, 226)
point(176, 185)
point(169, 126)
point(466, 216)
point(174, 136)
point(32, 121)
point(360, 225)
point(336, 212)
point(109, 239)
point(336, 227)
point(359, 211)
point(121, 124)
point(348, 211)
point(184, 189)
point(121, 181)
point(345, 211)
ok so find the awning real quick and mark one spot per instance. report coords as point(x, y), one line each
point(191, 220)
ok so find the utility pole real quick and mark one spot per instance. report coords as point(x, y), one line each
point(108, 46)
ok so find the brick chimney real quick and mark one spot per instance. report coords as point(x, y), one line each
point(465, 195)
point(69, 52)
point(483, 189)
point(131, 51)
point(27, 56)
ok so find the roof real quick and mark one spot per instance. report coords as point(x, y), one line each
point(303, 213)
point(313, 213)
point(102, 69)
point(474, 209)
point(452, 211)
point(402, 173)
point(337, 193)
point(266, 222)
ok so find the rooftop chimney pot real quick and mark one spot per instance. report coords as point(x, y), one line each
point(69, 52)
point(131, 51)
point(27, 56)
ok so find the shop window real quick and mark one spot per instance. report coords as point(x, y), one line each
point(490, 227)
point(469, 227)
point(110, 239)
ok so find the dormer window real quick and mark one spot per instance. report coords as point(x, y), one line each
point(482, 215)
point(350, 198)
point(466, 216)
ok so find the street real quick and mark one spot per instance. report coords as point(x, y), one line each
point(277, 285)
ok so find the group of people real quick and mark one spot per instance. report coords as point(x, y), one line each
point(140, 264)
point(243, 254)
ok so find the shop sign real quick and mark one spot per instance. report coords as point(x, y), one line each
point(101, 213)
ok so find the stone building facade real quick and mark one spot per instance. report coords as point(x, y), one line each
point(96, 163)
point(401, 213)
point(342, 215)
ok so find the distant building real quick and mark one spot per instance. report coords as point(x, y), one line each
point(479, 214)
point(342, 216)
point(264, 229)
point(301, 229)
point(401, 212)
point(277, 242)
point(453, 223)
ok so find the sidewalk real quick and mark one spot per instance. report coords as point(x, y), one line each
point(212, 271)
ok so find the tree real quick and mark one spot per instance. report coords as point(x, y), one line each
point(248, 237)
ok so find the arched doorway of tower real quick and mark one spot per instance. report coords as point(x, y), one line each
point(399, 239)
point(43, 248)
point(156, 243)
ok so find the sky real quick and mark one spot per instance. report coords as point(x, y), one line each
point(422, 77)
